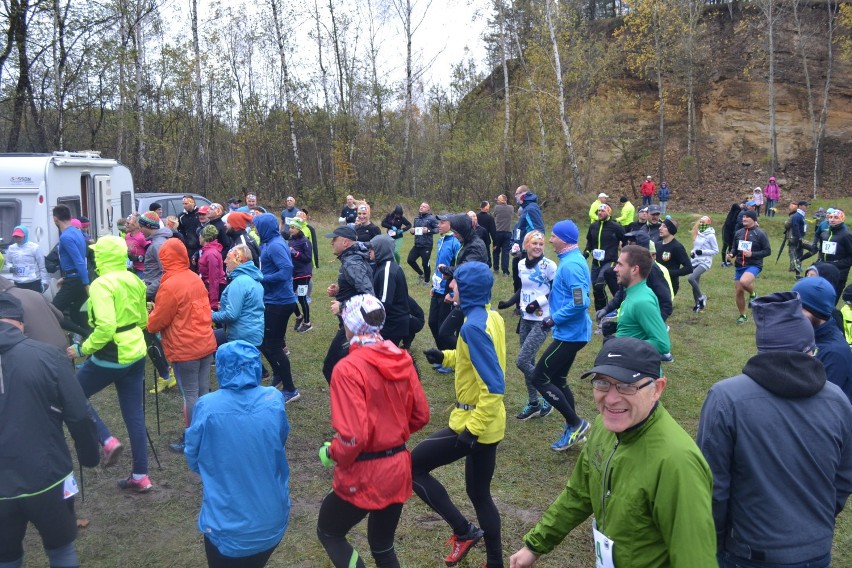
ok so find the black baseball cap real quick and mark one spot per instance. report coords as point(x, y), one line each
point(655, 210)
point(626, 359)
point(444, 216)
point(345, 231)
point(235, 200)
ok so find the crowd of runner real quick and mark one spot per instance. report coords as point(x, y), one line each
point(219, 285)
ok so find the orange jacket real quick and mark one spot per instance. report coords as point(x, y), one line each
point(182, 312)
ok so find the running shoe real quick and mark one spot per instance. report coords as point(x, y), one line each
point(112, 451)
point(571, 437)
point(139, 485)
point(529, 411)
point(702, 302)
point(667, 358)
point(546, 408)
point(306, 326)
point(177, 447)
point(298, 323)
point(444, 370)
point(290, 396)
point(461, 545)
point(696, 308)
point(742, 319)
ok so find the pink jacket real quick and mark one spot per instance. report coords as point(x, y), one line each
point(212, 271)
point(772, 191)
point(136, 246)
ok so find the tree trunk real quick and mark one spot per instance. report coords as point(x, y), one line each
point(506, 107)
point(139, 108)
point(199, 101)
point(563, 116)
point(773, 135)
point(819, 154)
point(539, 113)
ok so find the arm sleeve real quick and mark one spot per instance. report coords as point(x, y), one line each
point(359, 275)
point(406, 224)
point(42, 271)
point(194, 434)
point(104, 318)
point(283, 269)
point(655, 328)
point(764, 249)
point(165, 308)
point(712, 247)
point(75, 413)
point(386, 223)
point(715, 439)
point(230, 312)
point(577, 296)
point(489, 375)
point(70, 246)
point(683, 261)
point(348, 412)
point(420, 412)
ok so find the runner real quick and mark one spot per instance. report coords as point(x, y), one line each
point(752, 246)
point(672, 255)
point(704, 246)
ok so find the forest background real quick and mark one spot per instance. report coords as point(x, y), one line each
point(573, 97)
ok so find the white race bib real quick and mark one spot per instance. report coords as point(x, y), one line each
point(437, 279)
point(517, 234)
point(341, 220)
point(603, 548)
point(744, 245)
point(391, 233)
point(302, 290)
point(598, 254)
point(69, 487)
point(829, 247)
point(287, 221)
point(22, 270)
point(526, 298)
point(418, 231)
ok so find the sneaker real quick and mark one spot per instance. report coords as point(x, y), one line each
point(307, 326)
point(726, 264)
point(667, 358)
point(139, 485)
point(702, 302)
point(444, 370)
point(461, 545)
point(696, 308)
point(571, 437)
point(177, 447)
point(112, 451)
point(742, 319)
point(546, 408)
point(529, 411)
point(162, 384)
point(298, 323)
point(290, 396)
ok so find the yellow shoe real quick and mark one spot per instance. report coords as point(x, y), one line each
point(172, 381)
point(162, 384)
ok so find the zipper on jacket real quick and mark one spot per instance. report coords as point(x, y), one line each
point(606, 484)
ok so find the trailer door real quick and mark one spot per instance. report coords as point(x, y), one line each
point(102, 222)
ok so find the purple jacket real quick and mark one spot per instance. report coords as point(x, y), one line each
point(302, 253)
point(771, 191)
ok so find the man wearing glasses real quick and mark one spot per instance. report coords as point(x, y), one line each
point(640, 475)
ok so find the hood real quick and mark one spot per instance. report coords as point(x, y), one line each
point(238, 365)
point(397, 210)
point(173, 256)
point(382, 247)
point(707, 232)
point(787, 374)
point(215, 245)
point(9, 336)
point(825, 270)
point(26, 233)
point(249, 269)
point(530, 197)
point(111, 254)
point(474, 280)
point(392, 363)
point(267, 227)
point(462, 225)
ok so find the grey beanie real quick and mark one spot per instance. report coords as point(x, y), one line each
point(780, 324)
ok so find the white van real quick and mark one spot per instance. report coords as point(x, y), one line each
point(32, 184)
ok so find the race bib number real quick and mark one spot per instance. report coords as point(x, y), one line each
point(603, 548)
point(69, 487)
point(287, 220)
point(598, 254)
point(744, 245)
point(418, 231)
point(517, 234)
point(526, 298)
point(302, 290)
point(829, 247)
point(391, 233)
point(667, 256)
point(22, 270)
point(437, 279)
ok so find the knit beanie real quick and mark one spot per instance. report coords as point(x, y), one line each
point(238, 220)
point(149, 220)
point(751, 214)
point(670, 225)
point(567, 231)
point(300, 224)
point(209, 233)
point(817, 295)
point(780, 324)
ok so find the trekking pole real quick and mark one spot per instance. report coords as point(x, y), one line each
point(157, 400)
point(147, 432)
point(153, 451)
point(82, 488)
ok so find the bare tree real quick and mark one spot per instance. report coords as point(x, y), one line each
point(772, 14)
point(504, 58)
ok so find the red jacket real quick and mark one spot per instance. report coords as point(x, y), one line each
point(181, 309)
point(212, 271)
point(377, 401)
point(648, 188)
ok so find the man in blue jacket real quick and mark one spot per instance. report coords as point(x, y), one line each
point(279, 299)
point(529, 218)
point(572, 330)
point(448, 248)
point(236, 443)
point(74, 287)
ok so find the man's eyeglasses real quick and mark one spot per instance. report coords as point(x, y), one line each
point(627, 389)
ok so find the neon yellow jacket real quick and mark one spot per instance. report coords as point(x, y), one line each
point(628, 214)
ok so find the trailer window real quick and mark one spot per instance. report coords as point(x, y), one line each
point(126, 204)
point(10, 216)
point(73, 203)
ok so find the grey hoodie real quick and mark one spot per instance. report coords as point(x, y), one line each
point(153, 270)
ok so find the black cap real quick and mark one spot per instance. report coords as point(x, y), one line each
point(803, 203)
point(345, 231)
point(641, 238)
point(235, 200)
point(751, 214)
point(444, 216)
point(655, 210)
point(10, 307)
point(627, 359)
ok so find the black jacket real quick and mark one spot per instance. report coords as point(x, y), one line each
point(243, 238)
point(38, 393)
point(398, 220)
point(605, 235)
point(349, 214)
point(486, 221)
point(222, 237)
point(430, 222)
point(391, 290)
point(842, 258)
point(355, 275)
point(473, 248)
point(760, 247)
point(188, 226)
point(674, 257)
point(365, 233)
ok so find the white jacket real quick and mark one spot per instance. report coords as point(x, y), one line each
point(26, 263)
point(705, 241)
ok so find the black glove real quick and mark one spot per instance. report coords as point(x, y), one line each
point(600, 314)
point(547, 323)
point(585, 254)
point(532, 307)
point(466, 439)
point(434, 356)
point(503, 305)
point(698, 252)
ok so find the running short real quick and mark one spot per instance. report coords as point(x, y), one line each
point(738, 272)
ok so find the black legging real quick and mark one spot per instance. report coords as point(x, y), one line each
point(438, 311)
point(440, 449)
point(448, 333)
point(549, 377)
point(216, 559)
point(305, 310)
point(423, 254)
point(336, 519)
point(275, 320)
point(336, 351)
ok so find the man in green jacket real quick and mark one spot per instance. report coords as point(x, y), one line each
point(639, 314)
point(640, 474)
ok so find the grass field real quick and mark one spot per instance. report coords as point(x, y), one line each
point(159, 528)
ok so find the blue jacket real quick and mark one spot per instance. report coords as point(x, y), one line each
point(569, 298)
point(797, 226)
point(448, 248)
point(276, 264)
point(72, 254)
point(664, 192)
point(835, 355)
point(241, 305)
point(529, 218)
point(236, 442)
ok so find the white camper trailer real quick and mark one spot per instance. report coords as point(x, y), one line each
point(32, 184)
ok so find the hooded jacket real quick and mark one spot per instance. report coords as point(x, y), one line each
point(839, 240)
point(778, 439)
point(275, 262)
point(628, 214)
point(426, 221)
point(760, 247)
point(189, 225)
point(705, 241)
point(241, 237)
point(241, 306)
point(479, 358)
point(236, 442)
point(391, 289)
point(181, 310)
point(529, 218)
point(569, 298)
point(377, 402)
point(26, 261)
point(448, 248)
point(116, 307)
point(72, 254)
point(354, 276)
point(212, 271)
point(38, 393)
point(153, 270)
point(605, 236)
point(395, 221)
point(472, 246)
point(834, 354)
point(301, 252)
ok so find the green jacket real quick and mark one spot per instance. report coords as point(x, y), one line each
point(117, 313)
point(655, 503)
point(639, 317)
